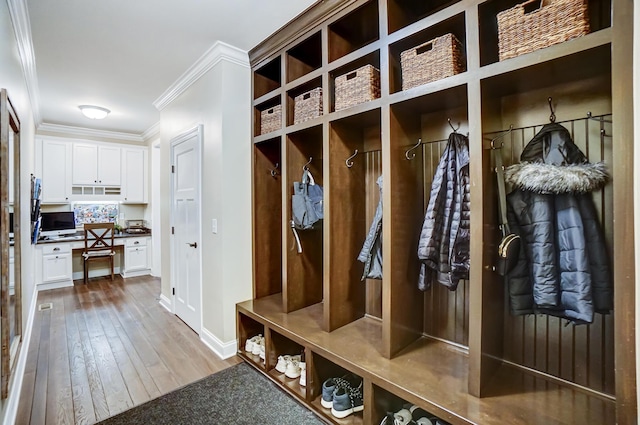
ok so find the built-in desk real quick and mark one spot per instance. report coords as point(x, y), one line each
point(59, 261)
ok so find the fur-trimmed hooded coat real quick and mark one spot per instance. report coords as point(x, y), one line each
point(443, 248)
point(563, 269)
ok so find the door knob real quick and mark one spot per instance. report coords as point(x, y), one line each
point(193, 245)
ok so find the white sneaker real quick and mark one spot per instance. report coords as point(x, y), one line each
point(281, 366)
point(248, 345)
point(262, 351)
point(256, 346)
point(303, 374)
point(293, 369)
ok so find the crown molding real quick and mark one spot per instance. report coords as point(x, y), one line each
point(88, 132)
point(151, 132)
point(218, 52)
point(22, 29)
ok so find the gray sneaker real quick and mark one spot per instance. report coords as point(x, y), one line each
point(347, 400)
point(330, 386)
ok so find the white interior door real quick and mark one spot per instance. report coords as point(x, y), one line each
point(185, 216)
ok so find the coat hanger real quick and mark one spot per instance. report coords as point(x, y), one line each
point(455, 129)
point(348, 161)
point(413, 155)
point(552, 117)
point(305, 167)
point(274, 171)
point(501, 136)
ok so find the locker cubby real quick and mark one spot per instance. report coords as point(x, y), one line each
point(354, 197)
point(372, 58)
point(267, 217)
point(353, 31)
point(599, 18)
point(580, 355)
point(304, 270)
point(454, 25)
point(322, 370)
point(298, 90)
point(248, 328)
point(279, 346)
point(304, 57)
point(267, 78)
point(266, 106)
point(437, 312)
point(402, 13)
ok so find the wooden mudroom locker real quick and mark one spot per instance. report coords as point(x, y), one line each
point(459, 354)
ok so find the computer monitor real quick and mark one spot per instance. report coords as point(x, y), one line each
point(54, 224)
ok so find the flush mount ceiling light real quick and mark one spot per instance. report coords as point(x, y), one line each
point(94, 112)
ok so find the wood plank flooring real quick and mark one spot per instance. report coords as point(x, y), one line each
point(104, 348)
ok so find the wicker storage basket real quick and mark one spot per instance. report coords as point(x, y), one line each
point(434, 60)
point(554, 22)
point(355, 87)
point(270, 119)
point(307, 105)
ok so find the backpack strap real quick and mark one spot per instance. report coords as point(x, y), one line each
point(502, 193)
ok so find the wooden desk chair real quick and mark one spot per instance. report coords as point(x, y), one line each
point(98, 244)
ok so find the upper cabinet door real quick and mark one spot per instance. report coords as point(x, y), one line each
point(85, 164)
point(56, 179)
point(134, 173)
point(109, 165)
point(96, 165)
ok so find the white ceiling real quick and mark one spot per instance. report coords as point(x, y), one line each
point(124, 54)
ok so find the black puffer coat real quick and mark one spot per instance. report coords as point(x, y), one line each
point(443, 248)
point(563, 268)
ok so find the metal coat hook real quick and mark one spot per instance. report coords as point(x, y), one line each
point(274, 171)
point(348, 161)
point(305, 167)
point(552, 117)
point(413, 155)
point(455, 129)
point(500, 136)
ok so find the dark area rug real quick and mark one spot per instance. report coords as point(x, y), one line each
point(237, 395)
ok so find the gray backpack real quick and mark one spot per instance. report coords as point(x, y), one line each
point(306, 205)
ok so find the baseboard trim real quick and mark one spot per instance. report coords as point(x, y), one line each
point(11, 409)
point(53, 285)
point(224, 350)
point(166, 302)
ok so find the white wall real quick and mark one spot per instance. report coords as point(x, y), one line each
point(12, 79)
point(220, 101)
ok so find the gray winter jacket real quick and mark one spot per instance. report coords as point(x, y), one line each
point(371, 253)
point(443, 248)
point(563, 268)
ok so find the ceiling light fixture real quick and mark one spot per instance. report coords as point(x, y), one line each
point(94, 112)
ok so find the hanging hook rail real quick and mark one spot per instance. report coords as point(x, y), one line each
point(305, 167)
point(455, 129)
point(501, 136)
point(348, 162)
point(599, 119)
point(552, 117)
point(413, 155)
point(274, 171)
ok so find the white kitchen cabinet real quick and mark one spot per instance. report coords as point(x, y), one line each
point(136, 257)
point(56, 263)
point(134, 175)
point(95, 164)
point(56, 176)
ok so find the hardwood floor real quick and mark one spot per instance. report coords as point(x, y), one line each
point(105, 347)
